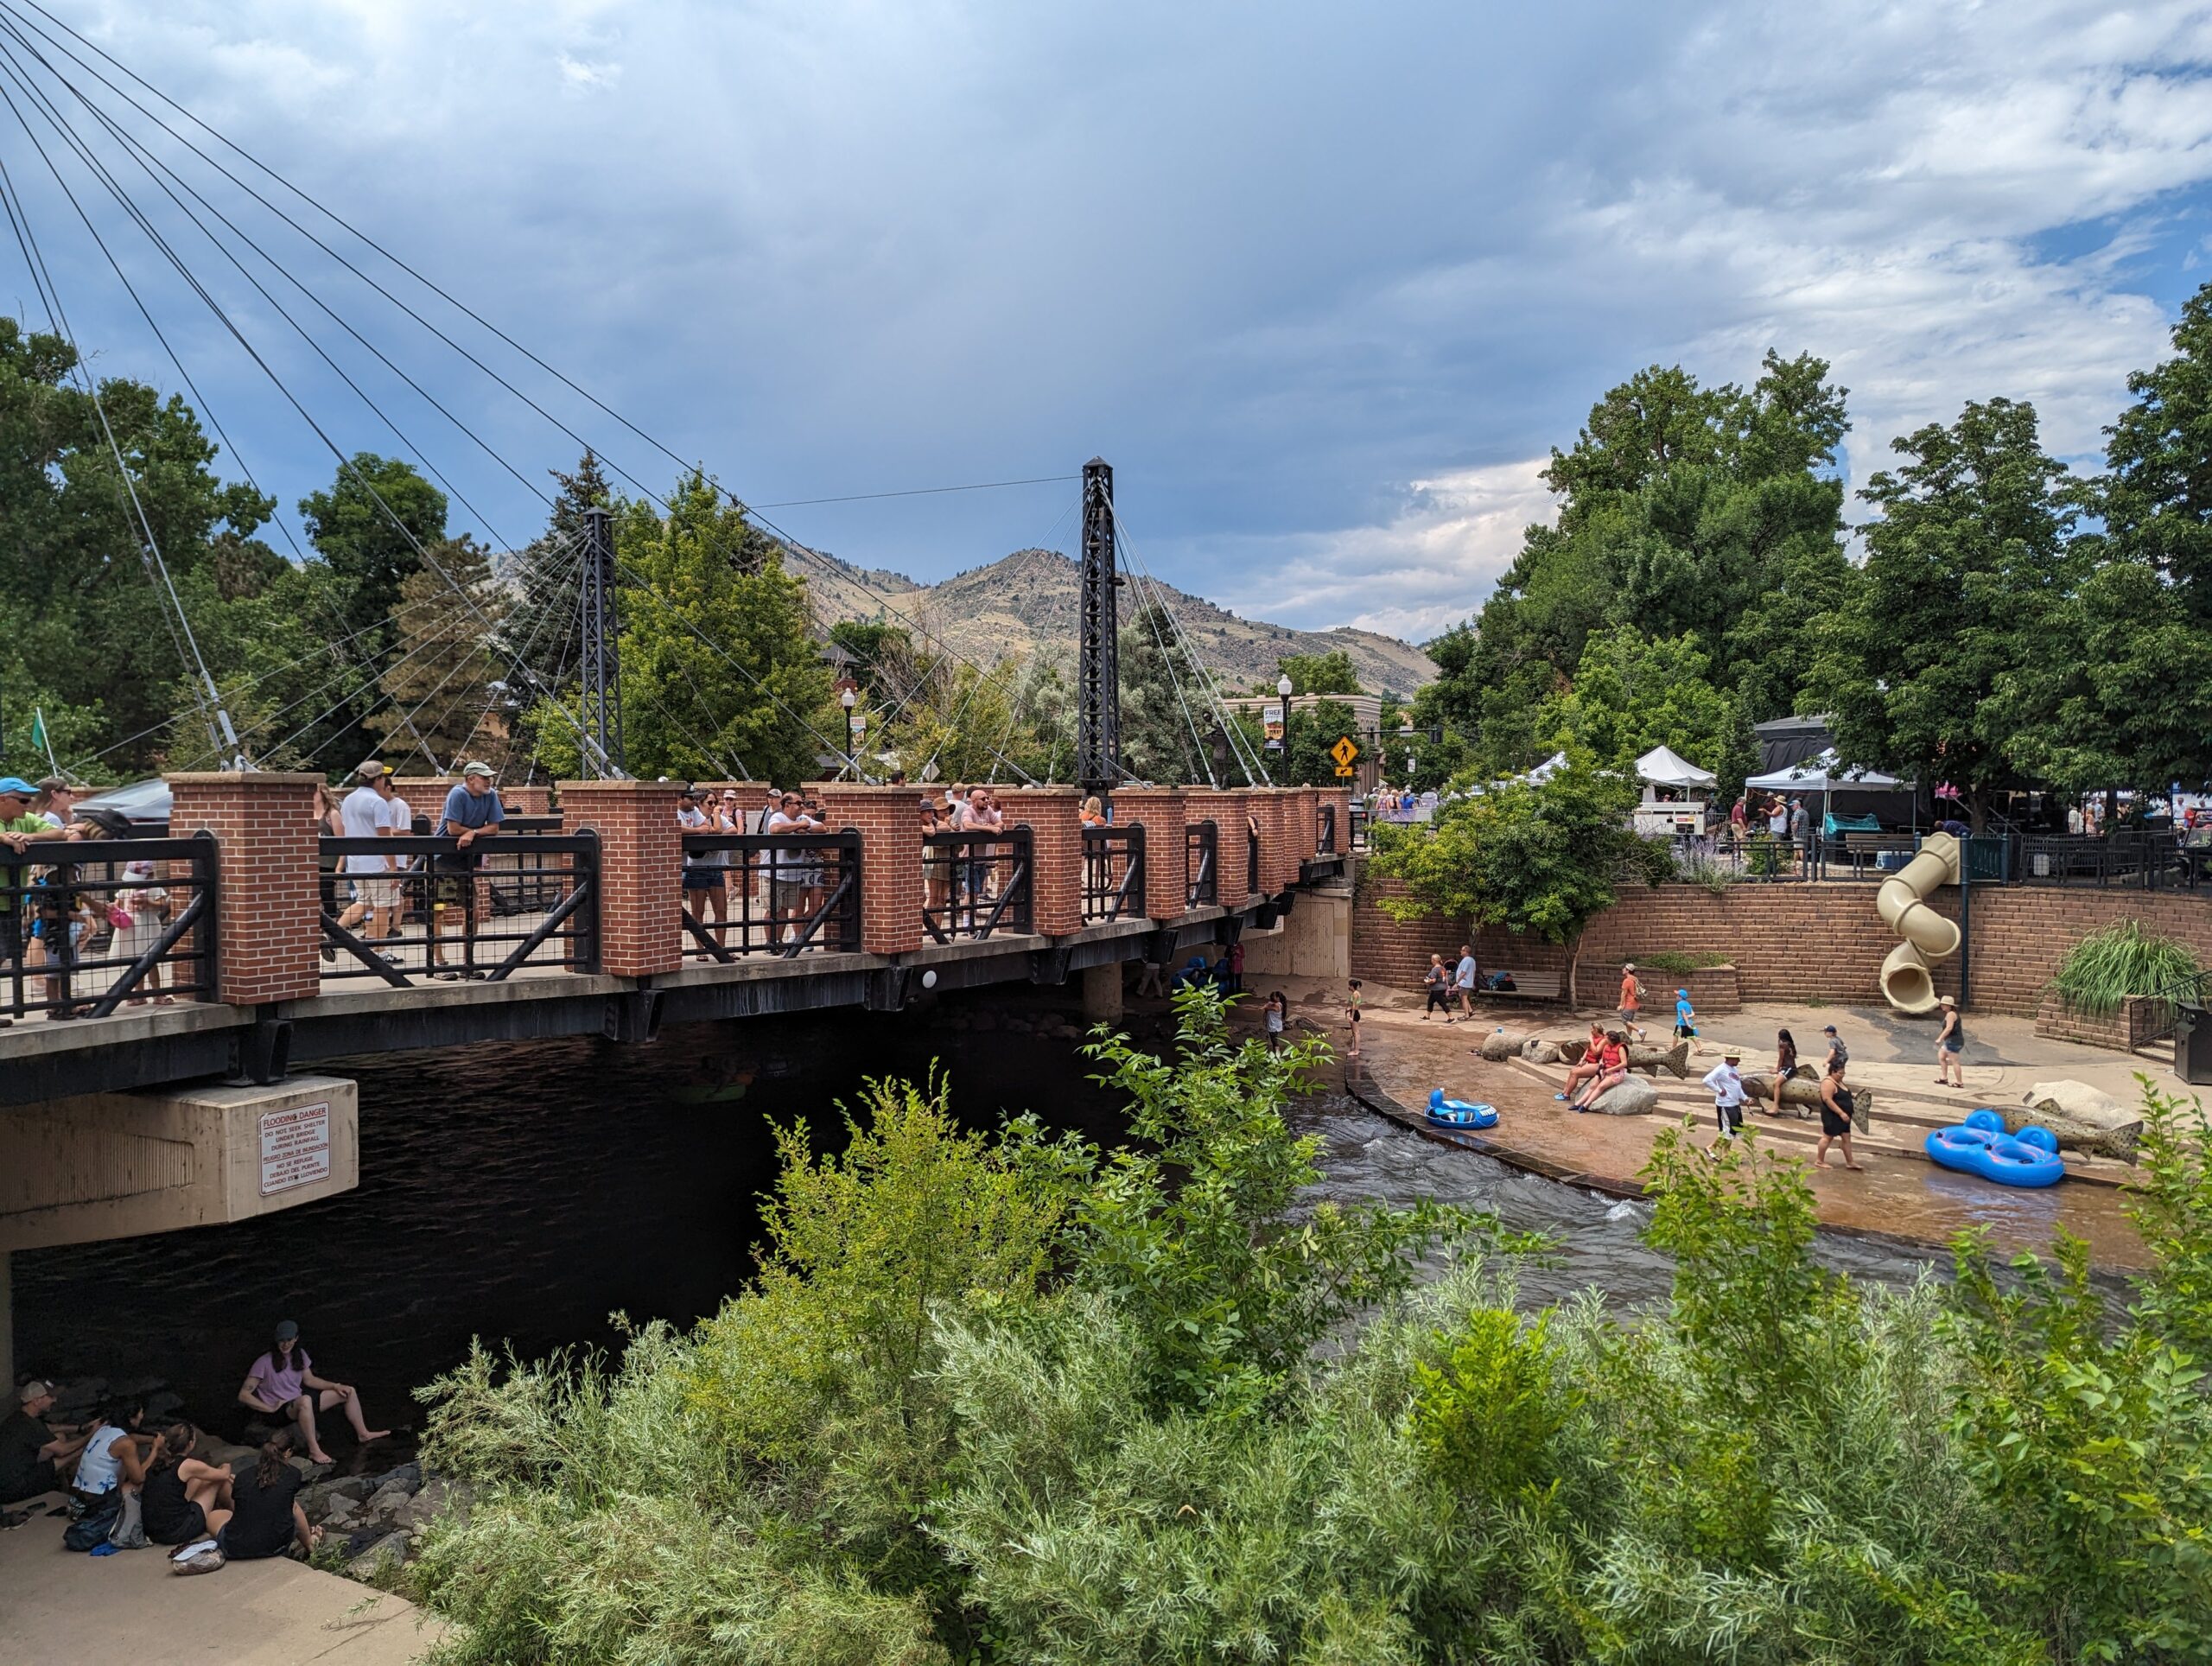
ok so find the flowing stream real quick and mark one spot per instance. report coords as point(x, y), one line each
point(524, 1193)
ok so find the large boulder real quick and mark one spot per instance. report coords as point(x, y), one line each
point(1538, 1051)
point(1499, 1046)
point(1632, 1098)
point(2084, 1118)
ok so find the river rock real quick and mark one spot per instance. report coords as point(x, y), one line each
point(433, 1500)
point(1537, 1051)
point(323, 1494)
point(1570, 1051)
point(388, 1499)
point(383, 1558)
point(1498, 1047)
point(337, 1514)
point(1633, 1097)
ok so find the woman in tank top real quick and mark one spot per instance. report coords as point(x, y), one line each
point(183, 1499)
point(111, 1455)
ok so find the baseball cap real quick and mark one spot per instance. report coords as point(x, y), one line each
point(485, 770)
point(1684, 992)
point(18, 785)
point(1827, 1029)
point(1628, 966)
point(370, 770)
point(36, 1389)
point(288, 1330)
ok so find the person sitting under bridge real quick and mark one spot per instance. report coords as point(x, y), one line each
point(282, 1383)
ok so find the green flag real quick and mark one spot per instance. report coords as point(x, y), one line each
point(38, 729)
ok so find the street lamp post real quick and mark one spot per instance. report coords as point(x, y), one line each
point(1282, 690)
point(848, 699)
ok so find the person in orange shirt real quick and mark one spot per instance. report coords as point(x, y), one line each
point(1631, 1001)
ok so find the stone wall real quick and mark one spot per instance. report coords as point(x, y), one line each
point(1792, 942)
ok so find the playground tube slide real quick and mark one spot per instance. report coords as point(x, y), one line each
point(1907, 982)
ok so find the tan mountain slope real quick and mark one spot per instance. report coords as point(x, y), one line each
point(1028, 599)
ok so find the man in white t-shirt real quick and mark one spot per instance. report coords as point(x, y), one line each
point(794, 875)
point(371, 810)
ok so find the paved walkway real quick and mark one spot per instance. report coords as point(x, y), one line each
point(58, 1607)
point(1901, 1195)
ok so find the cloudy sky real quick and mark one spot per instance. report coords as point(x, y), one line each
point(1323, 283)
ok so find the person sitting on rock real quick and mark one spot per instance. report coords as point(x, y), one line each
point(33, 1454)
point(115, 1452)
point(282, 1383)
point(266, 1518)
point(1612, 1070)
point(1588, 1069)
point(183, 1498)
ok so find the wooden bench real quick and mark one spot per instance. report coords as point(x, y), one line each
point(1528, 986)
point(1863, 848)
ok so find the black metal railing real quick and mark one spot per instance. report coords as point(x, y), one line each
point(974, 884)
point(782, 893)
point(2130, 859)
point(2158, 1017)
point(1201, 850)
point(88, 926)
point(1113, 873)
point(434, 909)
point(1324, 832)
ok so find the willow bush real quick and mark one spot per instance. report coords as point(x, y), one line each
point(1008, 1399)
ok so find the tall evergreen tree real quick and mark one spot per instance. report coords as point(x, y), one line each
point(443, 703)
point(1162, 697)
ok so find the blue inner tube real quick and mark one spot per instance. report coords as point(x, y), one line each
point(1997, 1156)
point(2041, 1138)
point(1985, 1118)
point(1460, 1112)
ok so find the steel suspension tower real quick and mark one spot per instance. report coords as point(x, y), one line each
point(602, 663)
point(1098, 672)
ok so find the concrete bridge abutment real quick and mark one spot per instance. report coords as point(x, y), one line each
point(108, 1165)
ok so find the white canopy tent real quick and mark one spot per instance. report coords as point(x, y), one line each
point(1546, 770)
point(1820, 774)
point(1664, 766)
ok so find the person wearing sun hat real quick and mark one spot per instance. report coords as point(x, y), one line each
point(1726, 1079)
point(19, 826)
point(1950, 1044)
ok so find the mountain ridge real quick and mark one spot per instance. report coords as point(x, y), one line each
point(1028, 599)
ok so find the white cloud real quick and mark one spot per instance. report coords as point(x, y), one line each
point(577, 76)
point(1424, 568)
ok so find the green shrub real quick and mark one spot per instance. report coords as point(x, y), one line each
point(1680, 961)
point(2105, 968)
point(1486, 1418)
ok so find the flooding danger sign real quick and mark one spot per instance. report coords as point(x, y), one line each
point(295, 1147)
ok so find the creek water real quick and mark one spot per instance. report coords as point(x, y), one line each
point(524, 1193)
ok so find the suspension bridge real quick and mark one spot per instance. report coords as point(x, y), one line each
point(167, 995)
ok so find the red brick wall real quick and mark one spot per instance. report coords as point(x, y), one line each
point(268, 905)
point(1227, 810)
point(1053, 815)
point(640, 871)
point(1161, 812)
point(889, 821)
point(1341, 797)
point(1308, 800)
point(1790, 941)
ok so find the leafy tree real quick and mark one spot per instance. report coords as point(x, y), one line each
point(720, 671)
point(371, 525)
point(1319, 673)
point(1162, 698)
point(440, 687)
point(1308, 732)
point(543, 629)
point(1632, 693)
point(1545, 859)
point(884, 662)
point(1964, 586)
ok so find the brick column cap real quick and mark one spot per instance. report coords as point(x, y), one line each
point(248, 776)
point(913, 789)
point(671, 788)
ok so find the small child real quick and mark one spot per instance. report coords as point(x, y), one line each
point(1685, 1020)
point(1278, 1009)
point(1352, 1016)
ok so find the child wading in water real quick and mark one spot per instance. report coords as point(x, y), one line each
point(1352, 1016)
point(1278, 1009)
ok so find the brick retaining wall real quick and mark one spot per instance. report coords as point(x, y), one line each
point(1792, 942)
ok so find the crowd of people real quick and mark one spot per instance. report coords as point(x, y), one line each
point(123, 1483)
point(50, 925)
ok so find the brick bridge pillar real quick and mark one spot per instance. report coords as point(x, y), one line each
point(1227, 810)
point(640, 871)
point(268, 900)
point(1338, 797)
point(1054, 817)
point(1160, 811)
point(889, 822)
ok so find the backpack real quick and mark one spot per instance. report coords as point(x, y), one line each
point(99, 1520)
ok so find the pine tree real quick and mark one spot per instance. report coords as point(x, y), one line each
point(439, 693)
point(544, 629)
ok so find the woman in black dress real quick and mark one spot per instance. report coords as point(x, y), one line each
point(182, 1498)
point(1836, 1107)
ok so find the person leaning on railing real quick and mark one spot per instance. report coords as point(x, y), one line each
point(471, 814)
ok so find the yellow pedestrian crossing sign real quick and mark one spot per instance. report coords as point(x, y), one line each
point(1343, 752)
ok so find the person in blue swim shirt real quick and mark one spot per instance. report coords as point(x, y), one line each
point(1685, 1019)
